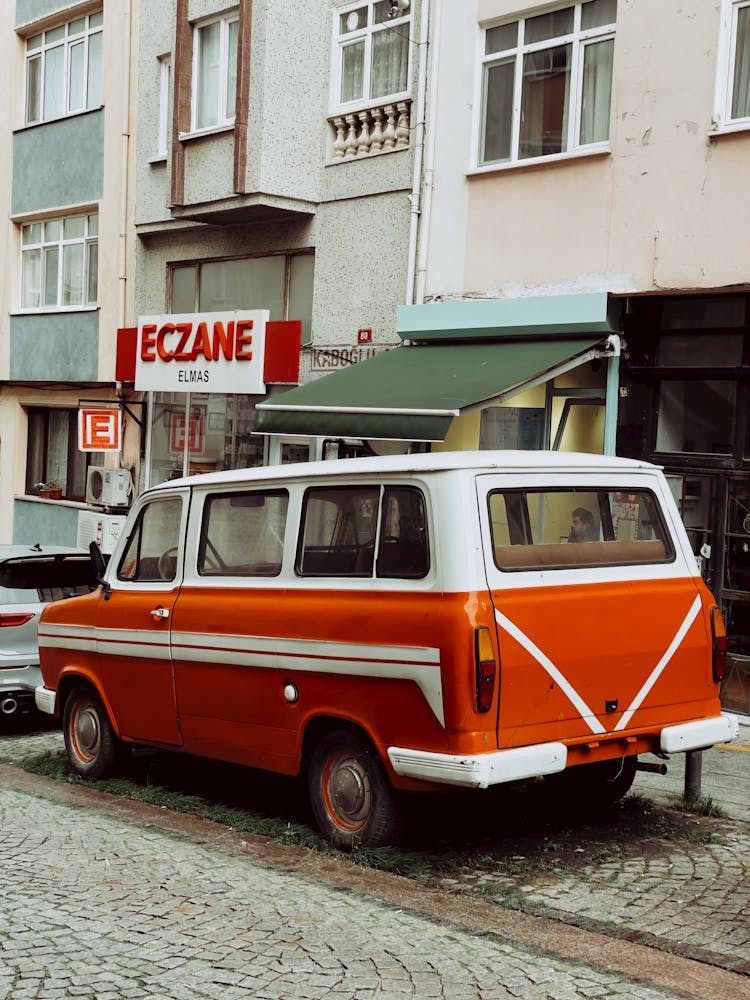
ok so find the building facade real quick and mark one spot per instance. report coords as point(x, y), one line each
point(69, 251)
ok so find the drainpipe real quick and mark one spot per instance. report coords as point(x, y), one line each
point(613, 393)
point(418, 132)
point(125, 176)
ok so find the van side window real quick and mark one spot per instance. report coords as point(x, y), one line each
point(243, 533)
point(403, 549)
point(151, 550)
point(340, 526)
point(564, 528)
point(338, 531)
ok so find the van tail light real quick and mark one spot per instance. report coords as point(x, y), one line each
point(718, 644)
point(486, 668)
point(19, 618)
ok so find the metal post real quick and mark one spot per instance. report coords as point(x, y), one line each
point(693, 764)
point(613, 395)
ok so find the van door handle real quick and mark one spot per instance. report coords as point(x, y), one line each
point(159, 613)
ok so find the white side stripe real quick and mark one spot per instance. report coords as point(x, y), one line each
point(672, 649)
point(588, 716)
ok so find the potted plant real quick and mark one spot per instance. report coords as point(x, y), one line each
point(49, 490)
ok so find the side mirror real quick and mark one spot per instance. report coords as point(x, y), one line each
point(99, 569)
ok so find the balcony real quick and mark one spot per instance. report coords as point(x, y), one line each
point(381, 129)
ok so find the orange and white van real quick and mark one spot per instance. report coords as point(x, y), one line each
point(394, 624)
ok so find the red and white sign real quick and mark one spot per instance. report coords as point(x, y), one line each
point(196, 433)
point(202, 352)
point(99, 429)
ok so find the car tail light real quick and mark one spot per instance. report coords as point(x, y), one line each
point(486, 668)
point(19, 618)
point(718, 644)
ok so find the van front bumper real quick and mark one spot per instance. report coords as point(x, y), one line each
point(699, 735)
point(479, 770)
point(45, 699)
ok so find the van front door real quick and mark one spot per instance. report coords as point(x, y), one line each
point(134, 622)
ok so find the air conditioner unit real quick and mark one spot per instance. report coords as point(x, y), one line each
point(104, 529)
point(108, 487)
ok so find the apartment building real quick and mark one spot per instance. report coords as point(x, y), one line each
point(68, 251)
point(275, 168)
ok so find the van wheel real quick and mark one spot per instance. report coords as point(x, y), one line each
point(93, 748)
point(350, 795)
point(601, 783)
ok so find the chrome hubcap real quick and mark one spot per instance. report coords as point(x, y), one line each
point(87, 733)
point(349, 790)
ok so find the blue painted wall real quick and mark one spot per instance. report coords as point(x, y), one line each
point(50, 523)
point(59, 347)
point(58, 163)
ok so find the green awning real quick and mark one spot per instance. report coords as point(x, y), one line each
point(413, 392)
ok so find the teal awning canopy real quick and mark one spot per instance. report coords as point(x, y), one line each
point(413, 392)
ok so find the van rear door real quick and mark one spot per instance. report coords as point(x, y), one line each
point(601, 617)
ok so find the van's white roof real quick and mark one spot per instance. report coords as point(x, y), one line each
point(441, 461)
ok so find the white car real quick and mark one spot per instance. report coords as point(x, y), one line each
point(31, 576)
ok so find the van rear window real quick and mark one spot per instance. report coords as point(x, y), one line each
point(565, 528)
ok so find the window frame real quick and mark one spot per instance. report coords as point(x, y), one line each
point(223, 121)
point(67, 43)
point(90, 244)
point(162, 128)
point(43, 471)
point(579, 39)
point(342, 41)
point(725, 65)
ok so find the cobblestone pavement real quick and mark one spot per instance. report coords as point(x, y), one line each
point(94, 906)
point(110, 906)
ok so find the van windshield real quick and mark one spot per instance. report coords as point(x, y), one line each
point(564, 528)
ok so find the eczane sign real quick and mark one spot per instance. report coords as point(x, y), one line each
point(202, 352)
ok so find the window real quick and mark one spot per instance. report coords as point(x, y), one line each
point(59, 262)
point(151, 551)
point(243, 534)
point(372, 42)
point(342, 526)
point(563, 529)
point(733, 69)
point(165, 74)
point(282, 283)
point(696, 416)
point(215, 72)
point(64, 69)
point(52, 452)
point(547, 83)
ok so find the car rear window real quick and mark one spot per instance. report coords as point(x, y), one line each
point(568, 528)
point(45, 578)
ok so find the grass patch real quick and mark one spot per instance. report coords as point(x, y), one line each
point(701, 805)
point(512, 832)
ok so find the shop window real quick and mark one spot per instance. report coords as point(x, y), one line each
point(64, 69)
point(708, 311)
point(733, 66)
point(281, 283)
point(215, 72)
point(198, 432)
point(243, 533)
point(372, 47)
point(59, 262)
point(737, 543)
point(688, 350)
point(547, 83)
point(511, 427)
point(52, 452)
point(696, 416)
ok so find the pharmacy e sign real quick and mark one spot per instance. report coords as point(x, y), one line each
point(202, 352)
point(99, 429)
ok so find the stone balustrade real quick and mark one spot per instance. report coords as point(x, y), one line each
point(376, 130)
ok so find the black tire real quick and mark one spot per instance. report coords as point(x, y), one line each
point(351, 797)
point(600, 784)
point(93, 748)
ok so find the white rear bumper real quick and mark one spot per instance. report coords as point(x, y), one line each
point(699, 735)
point(479, 770)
